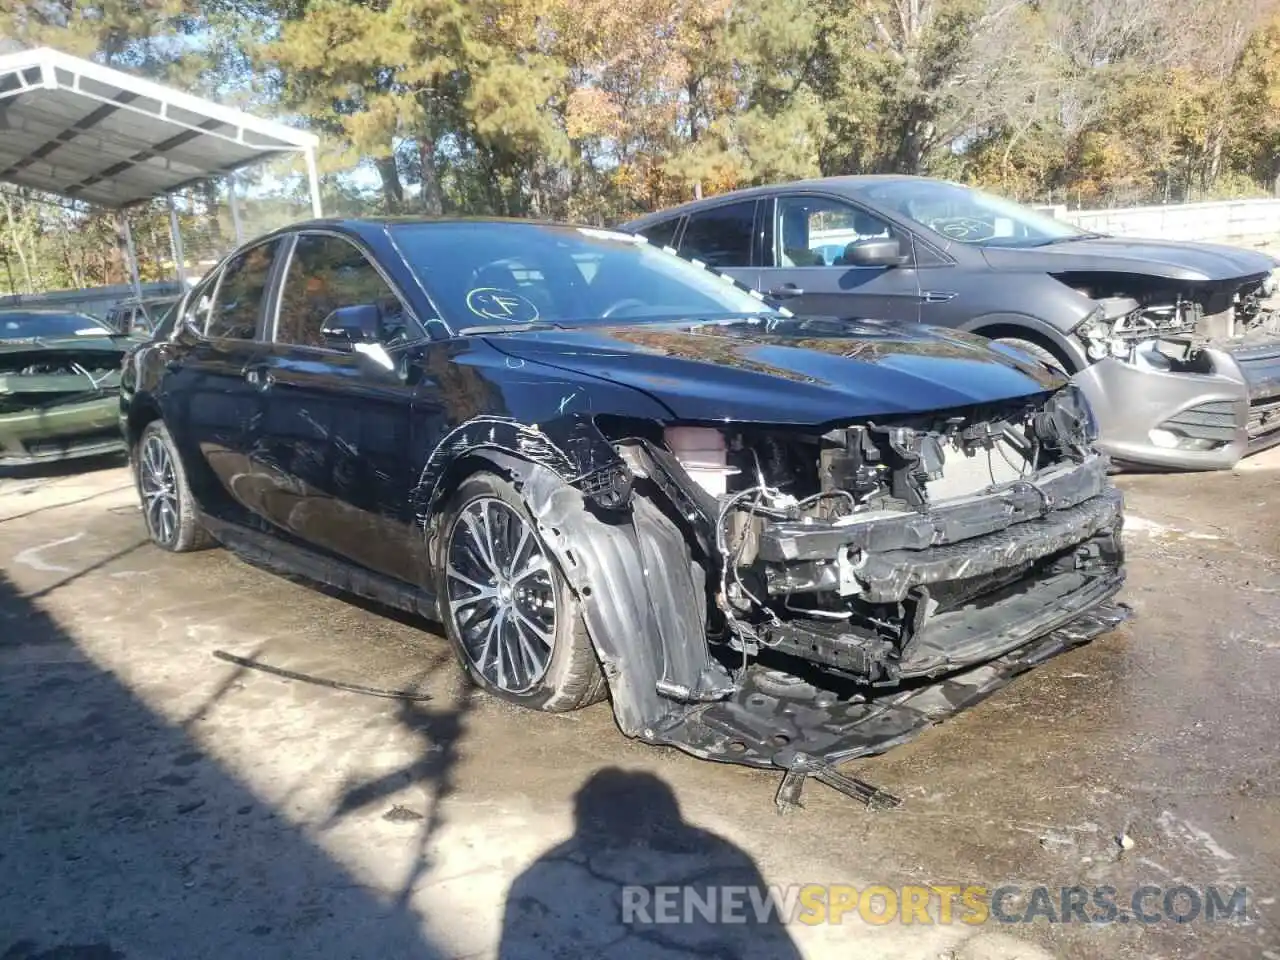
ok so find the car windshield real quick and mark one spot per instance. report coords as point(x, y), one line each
point(968, 215)
point(511, 274)
point(27, 326)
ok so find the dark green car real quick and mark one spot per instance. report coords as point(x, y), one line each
point(59, 377)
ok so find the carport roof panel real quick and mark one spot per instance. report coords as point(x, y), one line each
point(75, 128)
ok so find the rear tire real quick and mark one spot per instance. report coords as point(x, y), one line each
point(1041, 353)
point(509, 613)
point(168, 508)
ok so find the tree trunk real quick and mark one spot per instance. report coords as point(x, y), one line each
point(17, 245)
point(432, 194)
point(392, 188)
point(1215, 155)
point(209, 189)
point(73, 272)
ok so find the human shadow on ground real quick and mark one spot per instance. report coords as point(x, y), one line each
point(638, 880)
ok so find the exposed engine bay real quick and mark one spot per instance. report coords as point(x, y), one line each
point(880, 552)
point(1137, 313)
point(845, 589)
point(37, 379)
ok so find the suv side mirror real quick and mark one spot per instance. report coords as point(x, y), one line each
point(359, 323)
point(879, 252)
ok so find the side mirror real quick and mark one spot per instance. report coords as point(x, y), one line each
point(359, 323)
point(880, 252)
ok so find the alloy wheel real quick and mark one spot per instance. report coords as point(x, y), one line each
point(501, 594)
point(159, 484)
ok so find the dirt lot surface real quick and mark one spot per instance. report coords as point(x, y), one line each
point(158, 802)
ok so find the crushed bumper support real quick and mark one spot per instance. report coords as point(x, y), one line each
point(777, 720)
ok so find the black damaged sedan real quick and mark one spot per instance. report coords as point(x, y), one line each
point(609, 471)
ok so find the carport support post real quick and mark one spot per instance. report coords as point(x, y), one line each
point(175, 244)
point(127, 232)
point(313, 180)
point(234, 207)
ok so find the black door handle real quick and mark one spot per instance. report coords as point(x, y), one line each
point(785, 291)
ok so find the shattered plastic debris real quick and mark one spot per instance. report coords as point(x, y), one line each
point(399, 814)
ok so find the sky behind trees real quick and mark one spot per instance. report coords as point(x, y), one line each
point(596, 110)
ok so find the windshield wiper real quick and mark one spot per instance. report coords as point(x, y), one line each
point(1074, 237)
point(485, 328)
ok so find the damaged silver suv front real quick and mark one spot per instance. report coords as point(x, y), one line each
point(1185, 377)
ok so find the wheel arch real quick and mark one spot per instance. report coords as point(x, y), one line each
point(143, 410)
point(573, 449)
point(649, 632)
point(1061, 345)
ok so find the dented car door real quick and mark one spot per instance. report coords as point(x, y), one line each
point(330, 444)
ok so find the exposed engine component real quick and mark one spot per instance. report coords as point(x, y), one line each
point(702, 453)
point(1118, 324)
point(1174, 323)
point(858, 550)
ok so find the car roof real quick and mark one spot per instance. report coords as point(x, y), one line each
point(44, 314)
point(134, 301)
point(365, 226)
point(851, 185)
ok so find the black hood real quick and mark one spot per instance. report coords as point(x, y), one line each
point(809, 371)
point(1171, 259)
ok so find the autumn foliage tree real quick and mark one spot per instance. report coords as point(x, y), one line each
point(596, 110)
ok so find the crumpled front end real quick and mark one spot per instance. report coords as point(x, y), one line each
point(56, 405)
point(788, 599)
point(1184, 378)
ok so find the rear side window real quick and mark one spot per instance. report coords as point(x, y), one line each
point(721, 236)
point(662, 234)
point(326, 274)
point(238, 303)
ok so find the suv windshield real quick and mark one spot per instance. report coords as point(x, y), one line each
point(970, 216)
point(26, 326)
point(483, 274)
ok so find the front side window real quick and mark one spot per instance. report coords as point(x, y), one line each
point(721, 236)
point(234, 313)
point(333, 294)
point(512, 274)
point(814, 231)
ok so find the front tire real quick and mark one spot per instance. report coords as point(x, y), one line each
point(1041, 353)
point(168, 508)
point(508, 611)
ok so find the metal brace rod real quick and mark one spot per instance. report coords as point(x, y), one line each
point(803, 765)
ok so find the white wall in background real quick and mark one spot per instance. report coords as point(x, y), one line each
point(1240, 222)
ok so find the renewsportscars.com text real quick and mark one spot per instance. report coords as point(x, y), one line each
point(933, 904)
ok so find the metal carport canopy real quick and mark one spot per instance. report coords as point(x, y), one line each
point(77, 129)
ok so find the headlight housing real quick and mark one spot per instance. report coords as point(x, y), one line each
point(1068, 420)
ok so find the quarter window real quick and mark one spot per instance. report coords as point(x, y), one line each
point(328, 274)
point(238, 303)
point(721, 236)
point(662, 234)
